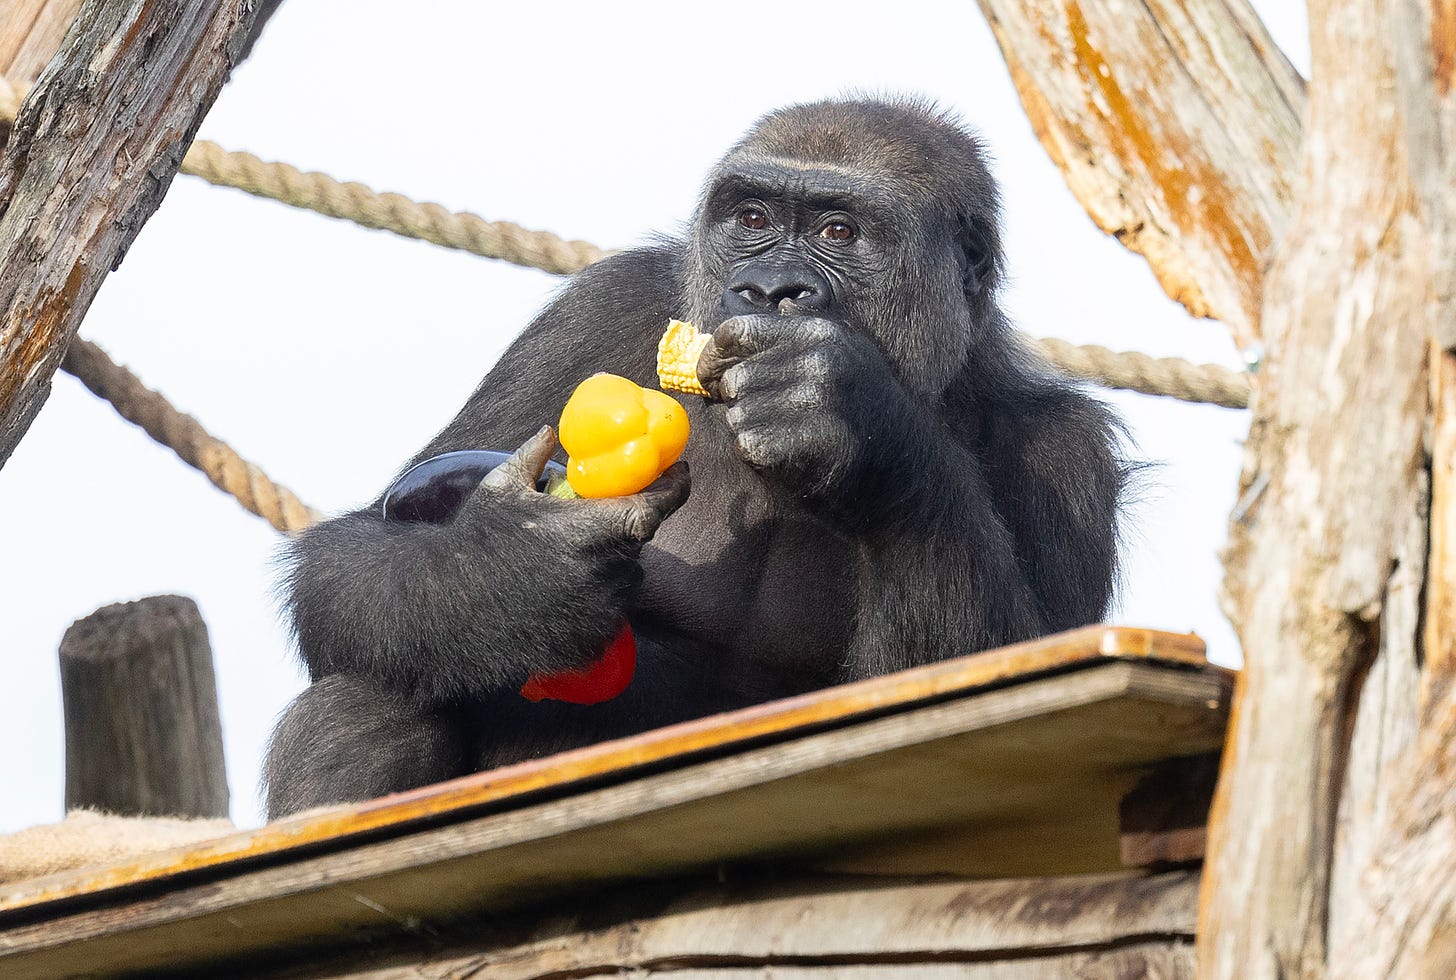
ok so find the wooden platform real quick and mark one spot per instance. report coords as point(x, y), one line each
point(1011, 762)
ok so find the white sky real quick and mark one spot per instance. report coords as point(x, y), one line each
point(328, 354)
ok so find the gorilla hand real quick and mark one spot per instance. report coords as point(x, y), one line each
point(813, 404)
point(586, 549)
point(518, 582)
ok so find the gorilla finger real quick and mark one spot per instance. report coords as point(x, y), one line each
point(733, 382)
point(712, 365)
point(781, 380)
point(759, 447)
point(524, 467)
point(743, 336)
point(645, 511)
point(779, 411)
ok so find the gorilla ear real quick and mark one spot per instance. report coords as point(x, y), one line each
point(977, 252)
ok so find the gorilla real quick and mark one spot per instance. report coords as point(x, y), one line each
point(881, 478)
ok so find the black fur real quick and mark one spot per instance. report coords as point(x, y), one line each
point(886, 479)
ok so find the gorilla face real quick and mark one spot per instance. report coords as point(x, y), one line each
point(879, 217)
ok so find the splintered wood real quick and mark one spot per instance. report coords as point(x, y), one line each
point(1177, 126)
point(90, 157)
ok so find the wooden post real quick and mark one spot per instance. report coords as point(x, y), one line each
point(1329, 844)
point(142, 730)
point(94, 149)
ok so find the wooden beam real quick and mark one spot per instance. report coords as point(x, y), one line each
point(1165, 817)
point(1397, 912)
point(92, 153)
point(1402, 917)
point(776, 721)
point(142, 729)
point(782, 922)
point(1177, 124)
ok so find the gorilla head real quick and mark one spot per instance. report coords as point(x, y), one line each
point(879, 215)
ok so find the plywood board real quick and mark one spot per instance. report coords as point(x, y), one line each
point(949, 765)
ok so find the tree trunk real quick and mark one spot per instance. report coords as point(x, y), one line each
point(1335, 490)
point(1334, 820)
point(94, 149)
point(142, 730)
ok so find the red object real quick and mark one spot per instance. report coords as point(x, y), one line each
point(599, 681)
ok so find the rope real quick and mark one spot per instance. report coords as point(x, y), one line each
point(1170, 377)
point(362, 205)
point(186, 437)
point(1135, 371)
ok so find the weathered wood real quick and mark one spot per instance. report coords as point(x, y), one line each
point(1403, 914)
point(984, 767)
point(1164, 818)
point(30, 34)
point(1327, 562)
point(1395, 915)
point(93, 151)
point(1113, 965)
point(1334, 478)
point(1176, 123)
point(817, 927)
point(676, 745)
point(1385, 725)
point(1440, 609)
point(142, 729)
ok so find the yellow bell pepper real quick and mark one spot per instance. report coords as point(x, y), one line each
point(620, 437)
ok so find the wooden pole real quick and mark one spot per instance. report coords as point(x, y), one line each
point(142, 729)
point(93, 151)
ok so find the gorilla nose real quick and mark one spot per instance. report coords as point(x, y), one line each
point(766, 289)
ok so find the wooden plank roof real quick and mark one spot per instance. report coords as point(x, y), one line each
point(1011, 761)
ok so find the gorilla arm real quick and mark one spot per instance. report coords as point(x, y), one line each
point(816, 408)
point(517, 582)
point(1011, 532)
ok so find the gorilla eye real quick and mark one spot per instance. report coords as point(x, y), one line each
point(753, 218)
point(837, 231)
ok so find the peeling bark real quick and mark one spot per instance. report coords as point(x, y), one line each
point(1177, 125)
point(94, 149)
point(1335, 818)
point(1358, 290)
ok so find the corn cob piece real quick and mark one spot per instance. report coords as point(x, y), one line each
point(677, 358)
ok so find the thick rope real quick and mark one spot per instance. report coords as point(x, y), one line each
point(362, 205)
point(186, 437)
point(1168, 376)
